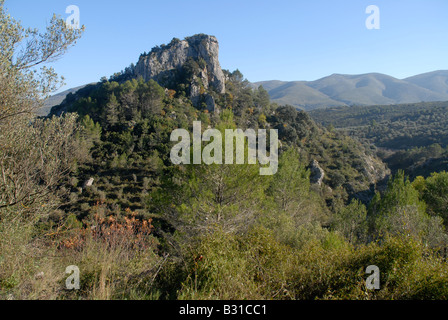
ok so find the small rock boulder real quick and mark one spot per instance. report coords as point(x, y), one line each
point(88, 183)
point(317, 173)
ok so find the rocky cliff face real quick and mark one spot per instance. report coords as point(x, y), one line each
point(162, 61)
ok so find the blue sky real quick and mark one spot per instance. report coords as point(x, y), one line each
point(266, 40)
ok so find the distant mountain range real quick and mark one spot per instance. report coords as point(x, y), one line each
point(342, 90)
point(56, 100)
point(364, 89)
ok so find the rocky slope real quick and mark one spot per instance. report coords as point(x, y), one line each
point(163, 63)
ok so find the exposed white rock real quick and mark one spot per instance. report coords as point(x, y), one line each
point(317, 173)
point(159, 62)
point(89, 183)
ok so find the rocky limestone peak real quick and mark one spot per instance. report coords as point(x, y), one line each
point(161, 61)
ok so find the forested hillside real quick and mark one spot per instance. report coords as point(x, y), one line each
point(129, 125)
point(92, 188)
point(412, 137)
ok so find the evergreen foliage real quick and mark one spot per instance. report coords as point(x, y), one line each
point(93, 186)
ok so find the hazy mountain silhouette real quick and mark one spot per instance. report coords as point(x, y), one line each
point(364, 89)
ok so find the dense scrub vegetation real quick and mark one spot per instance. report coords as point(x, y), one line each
point(129, 124)
point(402, 126)
point(413, 137)
point(144, 228)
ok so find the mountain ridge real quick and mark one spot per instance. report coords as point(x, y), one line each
point(363, 89)
point(167, 64)
point(345, 90)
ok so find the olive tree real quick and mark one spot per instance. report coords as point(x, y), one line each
point(35, 154)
